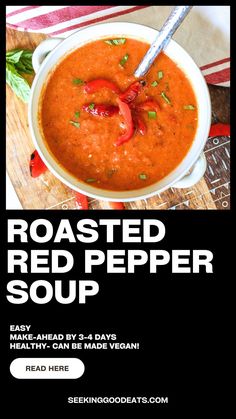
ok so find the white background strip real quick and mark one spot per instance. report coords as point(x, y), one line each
point(29, 14)
point(71, 22)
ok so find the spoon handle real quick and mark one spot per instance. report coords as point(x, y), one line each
point(172, 23)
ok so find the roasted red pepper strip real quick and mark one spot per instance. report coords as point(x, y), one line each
point(81, 200)
point(97, 84)
point(219, 129)
point(101, 110)
point(126, 113)
point(140, 125)
point(149, 105)
point(116, 205)
point(132, 92)
point(37, 166)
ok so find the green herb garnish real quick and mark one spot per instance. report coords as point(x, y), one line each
point(78, 81)
point(91, 106)
point(14, 56)
point(91, 180)
point(120, 41)
point(22, 60)
point(124, 60)
point(154, 83)
point(19, 61)
point(160, 75)
point(167, 100)
point(152, 114)
point(189, 107)
point(18, 84)
point(142, 176)
point(75, 124)
point(77, 114)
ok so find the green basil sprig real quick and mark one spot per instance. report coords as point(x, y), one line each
point(19, 61)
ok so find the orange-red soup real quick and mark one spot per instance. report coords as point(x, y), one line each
point(84, 144)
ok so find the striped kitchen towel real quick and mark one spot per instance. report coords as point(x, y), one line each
point(204, 33)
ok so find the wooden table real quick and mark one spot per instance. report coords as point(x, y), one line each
point(47, 192)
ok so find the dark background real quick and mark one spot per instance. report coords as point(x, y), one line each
point(178, 319)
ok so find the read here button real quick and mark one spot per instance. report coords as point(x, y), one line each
point(47, 368)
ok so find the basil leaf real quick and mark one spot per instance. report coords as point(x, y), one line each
point(26, 61)
point(152, 115)
point(166, 99)
point(120, 41)
point(124, 60)
point(18, 84)
point(91, 180)
point(189, 107)
point(75, 124)
point(78, 81)
point(27, 54)
point(22, 60)
point(14, 56)
point(142, 176)
point(25, 66)
point(154, 83)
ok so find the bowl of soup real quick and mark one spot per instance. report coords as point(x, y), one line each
point(109, 135)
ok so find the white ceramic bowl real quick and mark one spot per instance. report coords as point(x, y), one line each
point(44, 62)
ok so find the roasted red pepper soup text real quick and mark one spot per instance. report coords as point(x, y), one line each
point(110, 130)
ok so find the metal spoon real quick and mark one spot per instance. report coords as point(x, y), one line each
point(172, 23)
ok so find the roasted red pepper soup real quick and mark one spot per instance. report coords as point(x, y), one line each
point(110, 130)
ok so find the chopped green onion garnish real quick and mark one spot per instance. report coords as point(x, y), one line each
point(91, 180)
point(75, 124)
point(152, 115)
point(160, 75)
point(124, 60)
point(120, 41)
point(154, 83)
point(142, 176)
point(78, 81)
point(163, 95)
point(77, 114)
point(189, 107)
point(91, 106)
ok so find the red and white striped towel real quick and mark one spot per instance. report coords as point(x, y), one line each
point(204, 34)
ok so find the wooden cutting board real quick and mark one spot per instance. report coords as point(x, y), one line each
point(46, 192)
